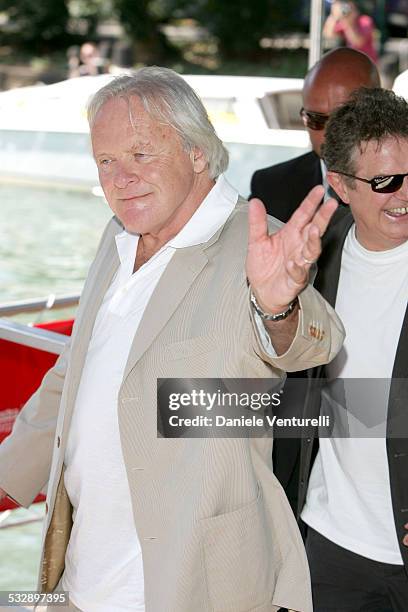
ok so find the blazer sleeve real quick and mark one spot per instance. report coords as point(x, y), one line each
point(25, 455)
point(319, 335)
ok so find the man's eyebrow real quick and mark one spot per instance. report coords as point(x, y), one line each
point(99, 153)
point(140, 143)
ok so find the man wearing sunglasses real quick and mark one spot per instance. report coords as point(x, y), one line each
point(356, 506)
point(327, 85)
point(282, 187)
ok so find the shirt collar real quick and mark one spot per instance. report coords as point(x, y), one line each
point(212, 213)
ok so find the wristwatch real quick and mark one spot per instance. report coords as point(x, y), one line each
point(272, 317)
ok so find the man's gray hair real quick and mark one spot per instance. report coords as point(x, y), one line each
point(167, 97)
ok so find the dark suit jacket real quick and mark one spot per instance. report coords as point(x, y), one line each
point(326, 282)
point(282, 187)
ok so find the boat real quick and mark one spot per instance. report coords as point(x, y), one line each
point(44, 135)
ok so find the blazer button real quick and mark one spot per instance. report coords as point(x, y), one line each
point(58, 442)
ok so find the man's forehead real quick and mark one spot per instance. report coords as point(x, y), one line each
point(382, 153)
point(329, 93)
point(126, 108)
point(129, 115)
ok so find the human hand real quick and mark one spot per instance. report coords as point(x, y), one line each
point(278, 265)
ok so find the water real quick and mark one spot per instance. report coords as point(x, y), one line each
point(47, 240)
point(20, 551)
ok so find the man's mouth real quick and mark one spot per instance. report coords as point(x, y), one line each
point(397, 212)
point(134, 197)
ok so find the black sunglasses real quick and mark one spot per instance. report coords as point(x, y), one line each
point(314, 121)
point(388, 183)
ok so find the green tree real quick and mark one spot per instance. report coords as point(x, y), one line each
point(39, 26)
point(239, 25)
point(142, 20)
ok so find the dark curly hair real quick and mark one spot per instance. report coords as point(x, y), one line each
point(369, 114)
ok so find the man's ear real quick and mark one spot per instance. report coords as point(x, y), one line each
point(337, 182)
point(198, 160)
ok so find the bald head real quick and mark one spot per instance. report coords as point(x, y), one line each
point(330, 82)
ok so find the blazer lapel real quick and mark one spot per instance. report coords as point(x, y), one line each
point(179, 275)
point(401, 359)
point(91, 300)
point(329, 264)
point(327, 277)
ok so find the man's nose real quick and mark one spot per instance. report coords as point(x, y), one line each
point(124, 174)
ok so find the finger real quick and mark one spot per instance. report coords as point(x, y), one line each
point(324, 214)
point(312, 247)
point(305, 212)
point(257, 221)
point(405, 540)
point(298, 274)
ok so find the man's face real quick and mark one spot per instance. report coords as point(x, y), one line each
point(323, 97)
point(381, 218)
point(148, 178)
point(326, 91)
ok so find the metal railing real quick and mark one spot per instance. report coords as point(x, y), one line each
point(37, 305)
point(41, 339)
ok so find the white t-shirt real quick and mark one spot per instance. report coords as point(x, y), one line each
point(103, 563)
point(349, 499)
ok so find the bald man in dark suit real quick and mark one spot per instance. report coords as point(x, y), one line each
point(327, 85)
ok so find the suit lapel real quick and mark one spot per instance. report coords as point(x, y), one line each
point(178, 277)
point(91, 299)
point(329, 264)
point(401, 359)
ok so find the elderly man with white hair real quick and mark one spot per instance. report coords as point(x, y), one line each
point(180, 287)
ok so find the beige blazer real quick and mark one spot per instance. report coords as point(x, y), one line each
point(216, 530)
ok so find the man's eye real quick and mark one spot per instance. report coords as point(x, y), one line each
point(140, 155)
point(105, 162)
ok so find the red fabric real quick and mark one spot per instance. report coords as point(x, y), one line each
point(23, 369)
